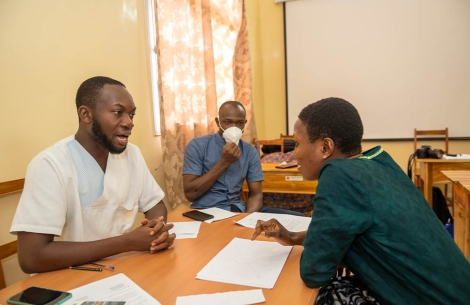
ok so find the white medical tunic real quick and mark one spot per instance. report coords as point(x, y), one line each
point(50, 202)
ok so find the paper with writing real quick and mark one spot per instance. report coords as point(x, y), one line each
point(245, 262)
point(114, 288)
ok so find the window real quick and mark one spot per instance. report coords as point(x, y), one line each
point(152, 51)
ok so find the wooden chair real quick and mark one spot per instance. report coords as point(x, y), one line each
point(286, 136)
point(6, 250)
point(9, 249)
point(259, 143)
point(289, 142)
point(443, 135)
point(438, 134)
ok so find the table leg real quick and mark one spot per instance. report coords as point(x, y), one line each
point(426, 175)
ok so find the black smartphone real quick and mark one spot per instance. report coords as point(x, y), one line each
point(39, 296)
point(198, 215)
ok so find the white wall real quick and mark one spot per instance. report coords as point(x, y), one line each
point(404, 64)
point(47, 48)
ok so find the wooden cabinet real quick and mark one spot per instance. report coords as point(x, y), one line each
point(287, 180)
point(461, 217)
point(461, 182)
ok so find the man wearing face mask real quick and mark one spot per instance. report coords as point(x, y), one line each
point(216, 165)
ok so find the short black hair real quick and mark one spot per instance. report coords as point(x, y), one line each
point(89, 90)
point(234, 104)
point(337, 119)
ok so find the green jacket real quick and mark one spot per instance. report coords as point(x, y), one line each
point(369, 215)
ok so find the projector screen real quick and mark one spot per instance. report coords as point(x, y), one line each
point(404, 64)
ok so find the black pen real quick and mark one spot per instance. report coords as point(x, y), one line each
point(101, 265)
point(86, 268)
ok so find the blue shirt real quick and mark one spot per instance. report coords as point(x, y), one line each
point(203, 153)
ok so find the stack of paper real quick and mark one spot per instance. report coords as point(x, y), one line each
point(245, 262)
point(457, 157)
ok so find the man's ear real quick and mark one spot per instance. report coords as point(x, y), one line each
point(85, 114)
point(217, 122)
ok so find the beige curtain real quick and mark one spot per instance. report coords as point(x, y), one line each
point(203, 58)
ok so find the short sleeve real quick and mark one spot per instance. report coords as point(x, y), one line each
point(44, 194)
point(193, 159)
point(255, 172)
point(152, 193)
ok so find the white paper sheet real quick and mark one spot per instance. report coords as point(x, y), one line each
point(245, 262)
point(114, 288)
point(186, 229)
point(244, 297)
point(290, 222)
point(218, 213)
point(457, 157)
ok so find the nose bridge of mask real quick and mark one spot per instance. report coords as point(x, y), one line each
point(232, 134)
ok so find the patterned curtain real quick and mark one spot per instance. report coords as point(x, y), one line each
point(203, 59)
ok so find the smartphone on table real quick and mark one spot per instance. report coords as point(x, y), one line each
point(39, 296)
point(287, 165)
point(198, 215)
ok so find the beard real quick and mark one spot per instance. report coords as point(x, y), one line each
point(100, 137)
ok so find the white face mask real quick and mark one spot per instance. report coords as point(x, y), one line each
point(232, 134)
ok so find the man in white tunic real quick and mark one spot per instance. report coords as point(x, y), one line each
point(82, 195)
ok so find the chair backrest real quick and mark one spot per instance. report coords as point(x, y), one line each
point(259, 143)
point(438, 134)
point(286, 136)
point(6, 250)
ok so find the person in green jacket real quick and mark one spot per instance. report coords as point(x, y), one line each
point(369, 216)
